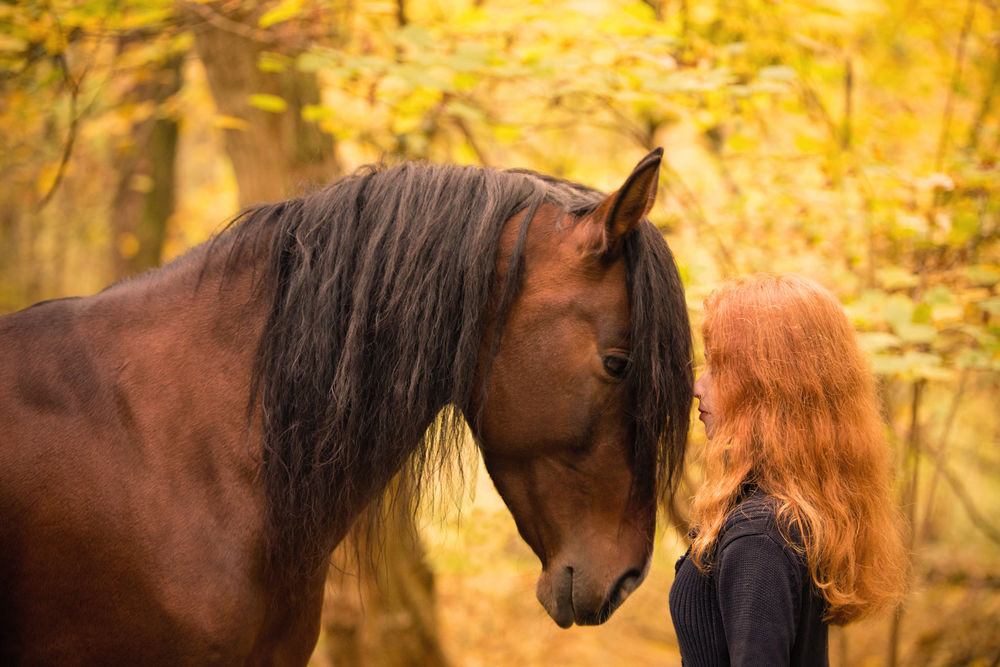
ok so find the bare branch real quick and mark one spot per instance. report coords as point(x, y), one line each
point(845, 128)
point(909, 502)
point(956, 77)
point(471, 139)
point(979, 521)
point(74, 122)
point(986, 105)
point(219, 20)
point(956, 400)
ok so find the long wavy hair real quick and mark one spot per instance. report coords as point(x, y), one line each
point(797, 417)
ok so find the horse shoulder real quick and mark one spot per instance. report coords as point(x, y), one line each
point(106, 522)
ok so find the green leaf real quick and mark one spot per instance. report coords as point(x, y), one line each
point(894, 277)
point(943, 305)
point(315, 60)
point(273, 62)
point(991, 305)
point(877, 341)
point(922, 358)
point(911, 332)
point(947, 312)
point(911, 366)
point(465, 80)
point(938, 373)
point(9, 43)
point(144, 18)
point(807, 143)
point(979, 359)
point(470, 57)
point(964, 226)
point(271, 103)
point(768, 87)
point(922, 314)
point(317, 112)
point(230, 123)
point(984, 275)
point(898, 311)
point(939, 295)
point(888, 364)
point(414, 35)
point(867, 310)
point(506, 134)
point(284, 10)
point(465, 111)
point(978, 334)
point(421, 77)
point(778, 73)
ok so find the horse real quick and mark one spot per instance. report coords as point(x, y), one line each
point(181, 452)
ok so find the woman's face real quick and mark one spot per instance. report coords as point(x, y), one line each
point(703, 390)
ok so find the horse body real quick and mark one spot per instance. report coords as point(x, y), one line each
point(131, 512)
point(136, 523)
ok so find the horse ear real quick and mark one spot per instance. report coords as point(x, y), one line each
point(622, 211)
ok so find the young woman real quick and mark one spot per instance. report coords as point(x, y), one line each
point(795, 527)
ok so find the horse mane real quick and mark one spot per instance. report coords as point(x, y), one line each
point(660, 378)
point(382, 287)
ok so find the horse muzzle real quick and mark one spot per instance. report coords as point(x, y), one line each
point(569, 596)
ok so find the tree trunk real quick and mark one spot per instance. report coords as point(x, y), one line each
point(145, 162)
point(380, 611)
point(275, 154)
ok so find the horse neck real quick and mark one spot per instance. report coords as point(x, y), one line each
point(196, 307)
point(181, 340)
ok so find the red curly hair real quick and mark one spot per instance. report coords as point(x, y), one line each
point(798, 417)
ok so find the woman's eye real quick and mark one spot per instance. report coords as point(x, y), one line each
point(615, 365)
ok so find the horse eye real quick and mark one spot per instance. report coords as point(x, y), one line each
point(615, 365)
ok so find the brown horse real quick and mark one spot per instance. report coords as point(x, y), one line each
point(180, 453)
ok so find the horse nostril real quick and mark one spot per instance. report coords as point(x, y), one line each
point(628, 583)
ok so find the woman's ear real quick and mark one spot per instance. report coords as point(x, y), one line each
point(621, 212)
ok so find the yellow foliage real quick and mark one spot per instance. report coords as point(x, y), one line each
point(128, 245)
point(843, 140)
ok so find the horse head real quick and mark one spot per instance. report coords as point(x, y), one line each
point(557, 426)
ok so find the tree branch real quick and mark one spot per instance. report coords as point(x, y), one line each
point(471, 139)
point(219, 20)
point(956, 76)
point(979, 521)
point(74, 122)
point(939, 453)
point(909, 502)
point(986, 105)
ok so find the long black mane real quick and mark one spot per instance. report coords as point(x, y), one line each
point(381, 285)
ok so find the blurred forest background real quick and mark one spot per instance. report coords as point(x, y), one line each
point(854, 141)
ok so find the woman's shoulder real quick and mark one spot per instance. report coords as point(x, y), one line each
point(751, 535)
point(756, 514)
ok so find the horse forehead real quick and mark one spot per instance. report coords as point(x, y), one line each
point(592, 285)
point(560, 272)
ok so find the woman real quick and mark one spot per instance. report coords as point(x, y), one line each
point(795, 526)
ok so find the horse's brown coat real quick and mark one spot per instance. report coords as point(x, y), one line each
point(133, 523)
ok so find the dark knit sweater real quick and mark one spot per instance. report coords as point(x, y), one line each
point(758, 606)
